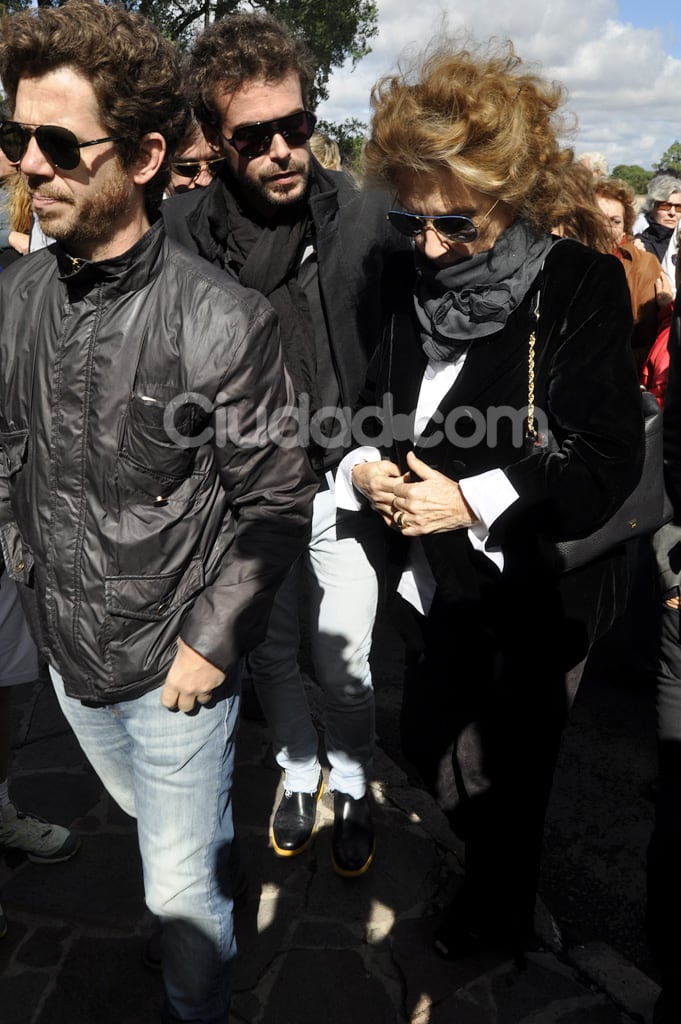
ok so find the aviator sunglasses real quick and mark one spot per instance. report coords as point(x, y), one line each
point(255, 139)
point(60, 146)
point(192, 168)
point(453, 226)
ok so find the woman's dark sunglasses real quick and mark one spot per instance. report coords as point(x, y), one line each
point(254, 139)
point(453, 226)
point(60, 146)
point(192, 168)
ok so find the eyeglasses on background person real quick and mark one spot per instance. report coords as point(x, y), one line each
point(666, 207)
point(192, 168)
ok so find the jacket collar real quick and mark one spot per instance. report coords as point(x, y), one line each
point(208, 220)
point(126, 273)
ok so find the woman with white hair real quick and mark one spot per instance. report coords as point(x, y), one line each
point(662, 209)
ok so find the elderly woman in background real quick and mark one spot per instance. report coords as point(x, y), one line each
point(487, 311)
point(650, 289)
point(662, 209)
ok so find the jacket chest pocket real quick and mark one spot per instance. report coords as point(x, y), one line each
point(14, 447)
point(157, 452)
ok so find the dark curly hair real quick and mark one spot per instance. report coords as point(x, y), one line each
point(241, 48)
point(133, 70)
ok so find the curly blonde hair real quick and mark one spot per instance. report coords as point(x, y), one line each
point(477, 113)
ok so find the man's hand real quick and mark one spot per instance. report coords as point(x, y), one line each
point(190, 680)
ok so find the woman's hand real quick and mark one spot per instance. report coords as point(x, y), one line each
point(432, 504)
point(376, 481)
point(664, 292)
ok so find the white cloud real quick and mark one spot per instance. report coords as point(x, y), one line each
point(621, 81)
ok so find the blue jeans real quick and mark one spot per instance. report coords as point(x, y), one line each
point(343, 595)
point(173, 772)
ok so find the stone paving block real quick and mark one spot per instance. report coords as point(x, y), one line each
point(263, 870)
point(610, 971)
point(102, 884)
point(260, 945)
point(44, 947)
point(546, 992)
point(21, 996)
point(323, 933)
point(426, 976)
point(291, 1001)
point(119, 989)
point(17, 930)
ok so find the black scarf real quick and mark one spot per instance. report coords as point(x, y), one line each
point(471, 299)
point(266, 258)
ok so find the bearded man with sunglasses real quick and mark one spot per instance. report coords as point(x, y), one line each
point(146, 551)
point(316, 247)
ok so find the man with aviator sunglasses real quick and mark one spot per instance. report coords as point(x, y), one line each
point(195, 163)
point(145, 553)
point(316, 247)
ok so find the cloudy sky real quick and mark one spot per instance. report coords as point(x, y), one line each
point(620, 61)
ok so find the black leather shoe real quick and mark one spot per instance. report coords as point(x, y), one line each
point(352, 843)
point(294, 821)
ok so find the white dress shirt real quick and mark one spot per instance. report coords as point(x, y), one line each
point(488, 494)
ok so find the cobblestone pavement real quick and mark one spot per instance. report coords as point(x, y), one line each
point(313, 948)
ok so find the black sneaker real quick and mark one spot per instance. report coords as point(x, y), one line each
point(294, 821)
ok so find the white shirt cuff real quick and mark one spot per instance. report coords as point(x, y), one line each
point(488, 494)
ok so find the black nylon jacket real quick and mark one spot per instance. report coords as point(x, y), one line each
point(120, 535)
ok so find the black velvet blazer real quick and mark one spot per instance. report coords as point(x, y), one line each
point(586, 387)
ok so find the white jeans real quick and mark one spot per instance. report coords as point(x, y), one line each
point(343, 594)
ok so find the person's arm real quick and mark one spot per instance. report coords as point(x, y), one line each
point(271, 488)
point(18, 241)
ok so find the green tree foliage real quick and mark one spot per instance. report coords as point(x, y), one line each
point(335, 30)
point(671, 160)
point(634, 176)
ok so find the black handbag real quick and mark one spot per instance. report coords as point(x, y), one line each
point(645, 510)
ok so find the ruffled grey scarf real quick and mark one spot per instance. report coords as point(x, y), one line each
point(473, 298)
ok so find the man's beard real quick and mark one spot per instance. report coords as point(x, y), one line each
point(264, 193)
point(91, 219)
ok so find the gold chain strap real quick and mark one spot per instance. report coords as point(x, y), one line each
point(531, 434)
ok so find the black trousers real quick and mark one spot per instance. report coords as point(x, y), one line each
point(486, 697)
point(664, 851)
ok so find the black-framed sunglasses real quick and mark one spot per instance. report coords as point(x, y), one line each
point(252, 140)
point(192, 168)
point(60, 146)
point(453, 226)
